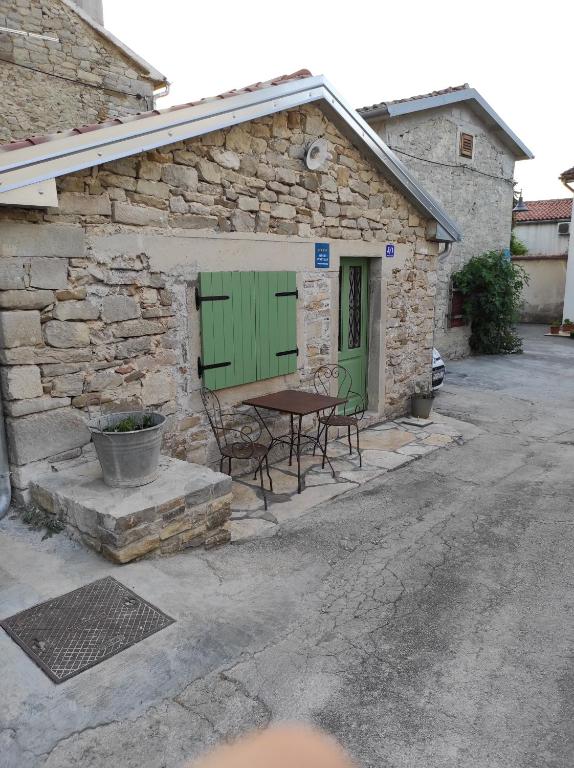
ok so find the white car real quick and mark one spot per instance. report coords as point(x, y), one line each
point(438, 370)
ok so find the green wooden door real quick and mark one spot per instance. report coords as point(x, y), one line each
point(353, 325)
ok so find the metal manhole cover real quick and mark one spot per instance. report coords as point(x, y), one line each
point(71, 633)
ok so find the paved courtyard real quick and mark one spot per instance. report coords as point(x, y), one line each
point(424, 618)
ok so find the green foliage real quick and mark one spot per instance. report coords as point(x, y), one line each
point(37, 519)
point(517, 247)
point(492, 287)
point(129, 424)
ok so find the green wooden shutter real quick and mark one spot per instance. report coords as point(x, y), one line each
point(248, 326)
point(227, 328)
point(276, 319)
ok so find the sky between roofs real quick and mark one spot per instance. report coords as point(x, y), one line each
point(514, 53)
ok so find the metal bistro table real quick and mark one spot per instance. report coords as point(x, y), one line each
point(297, 404)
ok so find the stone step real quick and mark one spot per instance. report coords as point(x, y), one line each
point(186, 506)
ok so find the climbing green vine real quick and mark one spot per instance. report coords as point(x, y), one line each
point(492, 285)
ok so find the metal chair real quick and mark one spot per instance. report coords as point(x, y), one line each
point(322, 379)
point(241, 444)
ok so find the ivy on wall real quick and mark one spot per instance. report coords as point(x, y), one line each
point(517, 247)
point(492, 285)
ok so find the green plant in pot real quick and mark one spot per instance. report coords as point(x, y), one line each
point(555, 327)
point(128, 446)
point(567, 325)
point(421, 404)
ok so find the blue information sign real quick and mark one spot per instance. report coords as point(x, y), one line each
point(321, 255)
point(390, 251)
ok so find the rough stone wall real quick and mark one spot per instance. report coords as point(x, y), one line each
point(48, 86)
point(93, 319)
point(476, 193)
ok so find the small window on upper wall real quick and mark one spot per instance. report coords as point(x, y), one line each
point(466, 146)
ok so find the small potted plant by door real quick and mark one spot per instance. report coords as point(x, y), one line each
point(128, 447)
point(567, 325)
point(555, 327)
point(421, 404)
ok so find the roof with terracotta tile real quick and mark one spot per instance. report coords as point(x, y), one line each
point(558, 209)
point(89, 127)
point(383, 104)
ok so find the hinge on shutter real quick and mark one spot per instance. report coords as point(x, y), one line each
point(199, 298)
point(287, 352)
point(201, 367)
point(288, 293)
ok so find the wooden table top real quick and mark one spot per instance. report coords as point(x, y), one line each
point(295, 402)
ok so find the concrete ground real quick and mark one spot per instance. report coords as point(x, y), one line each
point(425, 619)
point(384, 447)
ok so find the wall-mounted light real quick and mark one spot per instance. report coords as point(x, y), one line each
point(520, 206)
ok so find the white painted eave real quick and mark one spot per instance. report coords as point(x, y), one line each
point(42, 194)
point(475, 101)
point(70, 153)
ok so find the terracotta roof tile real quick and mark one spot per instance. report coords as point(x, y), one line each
point(42, 138)
point(383, 104)
point(546, 210)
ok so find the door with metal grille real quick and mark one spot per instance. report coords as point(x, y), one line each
point(353, 324)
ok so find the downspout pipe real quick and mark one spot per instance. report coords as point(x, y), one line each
point(443, 255)
point(5, 490)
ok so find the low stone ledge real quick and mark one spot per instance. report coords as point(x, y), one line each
point(187, 506)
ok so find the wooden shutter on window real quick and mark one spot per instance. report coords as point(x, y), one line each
point(466, 144)
point(248, 326)
point(456, 314)
point(276, 323)
point(227, 308)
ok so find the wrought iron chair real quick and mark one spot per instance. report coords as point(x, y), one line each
point(236, 443)
point(322, 380)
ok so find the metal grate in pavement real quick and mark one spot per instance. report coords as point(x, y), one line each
point(71, 633)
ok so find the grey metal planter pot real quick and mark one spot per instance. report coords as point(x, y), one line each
point(421, 406)
point(128, 459)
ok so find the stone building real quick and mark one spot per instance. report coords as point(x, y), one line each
point(99, 290)
point(463, 153)
point(59, 67)
point(544, 228)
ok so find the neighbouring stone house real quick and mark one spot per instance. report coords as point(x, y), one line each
point(59, 66)
point(464, 154)
point(545, 230)
point(101, 294)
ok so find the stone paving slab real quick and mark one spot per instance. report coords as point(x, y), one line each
point(385, 447)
